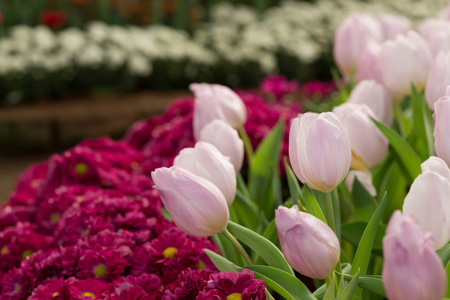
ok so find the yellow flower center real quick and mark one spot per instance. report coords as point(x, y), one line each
point(358, 162)
point(134, 165)
point(87, 294)
point(100, 270)
point(170, 252)
point(54, 217)
point(26, 254)
point(55, 294)
point(4, 250)
point(201, 265)
point(234, 296)
point(79, 198)
point(81, 168)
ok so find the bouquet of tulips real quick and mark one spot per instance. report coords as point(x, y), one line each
point(363, 211)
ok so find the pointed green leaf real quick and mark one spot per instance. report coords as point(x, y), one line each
point(262, 168)
point(221, 263)
point(349, 291)
point(447, 272)
point(329, 294)
point(311, 204)
point(444, 254)
point(246, 210)
point(225, 248)
point(406, 156)
point(265, 248)
point(423, 123)
point(362, 255)
point(294, 187)
point(371, 283)
point(285, 284)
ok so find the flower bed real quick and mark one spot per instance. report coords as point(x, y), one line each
point(88, 222)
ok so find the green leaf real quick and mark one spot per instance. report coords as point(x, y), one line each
point(265, 248)
point(405, 155)
point(396, 186)
point(371, 283)
point(329, 293)
point(444, 254)
point(294, 187)
point(225, 247)
point(311, 204)
point(362, 255)
point(353, 232)
point(221, 263)
point(285, 284)
point(262, 168)
point(246, 210)
point(363, 203)
point(423, 123)
point(349, 291)
point(447, 272)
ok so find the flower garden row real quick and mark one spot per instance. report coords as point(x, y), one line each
point(235, 48)
point(87, 224)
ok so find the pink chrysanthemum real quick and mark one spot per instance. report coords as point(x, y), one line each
point(279, 86)
point(187, 286)
point(57, 289)
point(231, 285)
point(101, 263)
point(89, 289)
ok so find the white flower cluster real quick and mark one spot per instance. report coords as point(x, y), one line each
point(302, 29)
point(38, 49)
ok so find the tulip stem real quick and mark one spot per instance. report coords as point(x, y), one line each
point(238, 247)
point(330, 214)
point(247, 143)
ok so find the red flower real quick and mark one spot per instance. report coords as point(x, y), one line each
point(53, 18)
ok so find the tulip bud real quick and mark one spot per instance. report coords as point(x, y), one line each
point(435, 164)
point(441, 125)
point(308, 244)
point(206, 161)
point(354, 33)
point(215, 101)
point(433, 215)
point(404, 60)
point(376, 97)
point(368, 143)
point(392, 25)
point(196, 205)
point(319, 150)
point(369, 64)
point(438, 78)
point(411, 269)
point(365, 178)
point(226, 140)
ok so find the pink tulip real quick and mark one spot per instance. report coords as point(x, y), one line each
point(432, 214)
point(308, 244)
point(369, 64)
point(429, 26)
point(438, 78)
point(411, 268)
point(369, 145)
point(392, 25)
point(445, 13)
point(365, 178)
point(376, 97)
point(196, 205)
point(215, 101)
point(441, 128)
point(226, 139)
point(206, 161)
point(404, 60)
point(439, 41)
point(435, 164)
point(319, 150)
point(353, 35)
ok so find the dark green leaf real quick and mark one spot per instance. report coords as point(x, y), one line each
point(371, 283)
point(294, 187)
point(444, 254)
point(353, 232)
point(349, 291)
point(363, 202)
point(263, 167)
point(311, 204)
